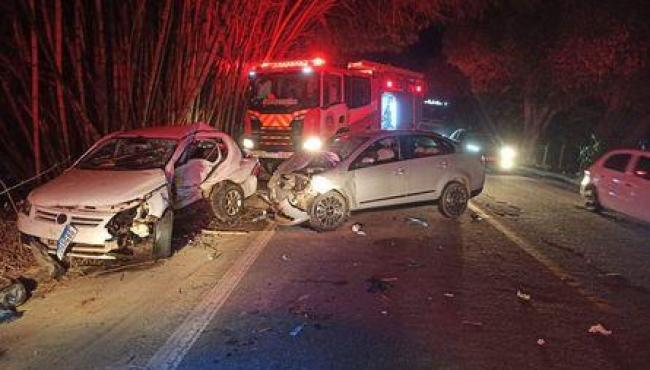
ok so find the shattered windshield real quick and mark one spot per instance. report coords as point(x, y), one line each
point(130, 153)
point(295, 90)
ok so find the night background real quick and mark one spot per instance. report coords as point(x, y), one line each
point(475, 194)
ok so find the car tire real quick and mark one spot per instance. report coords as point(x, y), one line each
point(227, 201)
point(328, 211)
point(453, 200)
point(591, 199)
point(162, 235)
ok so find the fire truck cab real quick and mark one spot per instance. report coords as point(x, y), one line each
point(298, 104)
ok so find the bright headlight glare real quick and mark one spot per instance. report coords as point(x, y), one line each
point(248, 143)
point(321, 184)
point(508, 153)
point(473, 148)
point(312, 144)
point(585, 180)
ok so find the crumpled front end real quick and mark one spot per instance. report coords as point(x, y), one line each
point(292, 195)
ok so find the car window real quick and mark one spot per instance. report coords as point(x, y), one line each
point(204, 149)
point(421, 146)
point(382, 151)
point(357, 91)
point(332, 90)
point(642, 168)
point(617, 162)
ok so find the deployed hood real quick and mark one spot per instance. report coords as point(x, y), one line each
point(82, 188)
point(309, 163)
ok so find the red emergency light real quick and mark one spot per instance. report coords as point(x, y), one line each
point(418, 88)
point(300, 63)
point(389, 84)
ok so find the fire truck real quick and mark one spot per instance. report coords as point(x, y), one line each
point(298, 104)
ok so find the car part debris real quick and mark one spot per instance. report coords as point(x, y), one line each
point(285, 257)
point(417, 221)
point(523, 296)
point(477, 324)
point(379, 285)
point(8, 315)
point(356, 228)
point(599, 329)
point(50, 266)
point(449, 295)
point(12, 293)
point(295, 331)
point(476, 218)
point(223, 232)
point(541, 342)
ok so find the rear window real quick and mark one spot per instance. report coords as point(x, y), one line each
point(617, 162)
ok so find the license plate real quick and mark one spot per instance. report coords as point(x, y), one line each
point(64, 241)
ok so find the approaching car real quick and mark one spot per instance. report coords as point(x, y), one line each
point(123, 191)
point(374, 169)
point(620, 181)
point(497, 155)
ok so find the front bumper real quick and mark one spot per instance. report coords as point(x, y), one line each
point(273, 155)
point(91, 241)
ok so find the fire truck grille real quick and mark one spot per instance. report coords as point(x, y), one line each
point(276, 139)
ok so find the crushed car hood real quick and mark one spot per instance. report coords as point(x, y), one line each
point(83, 188)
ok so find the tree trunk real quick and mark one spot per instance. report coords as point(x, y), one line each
point(36, 127)
point(58, 60)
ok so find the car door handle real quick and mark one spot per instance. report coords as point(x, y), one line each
point(399, 171)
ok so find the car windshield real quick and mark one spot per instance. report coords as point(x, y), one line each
point(130, 153)
point(295, 90)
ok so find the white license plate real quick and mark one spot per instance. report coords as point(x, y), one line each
point(64, 241)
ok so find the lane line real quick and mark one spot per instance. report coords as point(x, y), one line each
point(170, 355)
point(533, 251)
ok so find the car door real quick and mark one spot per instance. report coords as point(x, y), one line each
point(379, 174)
point(637, 189)
point(192, 168)
point(612, 179)
point(427, 159)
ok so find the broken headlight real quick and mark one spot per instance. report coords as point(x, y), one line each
point(121, 222)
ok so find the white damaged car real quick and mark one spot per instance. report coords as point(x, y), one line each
point(118, 199)
point(375, 169)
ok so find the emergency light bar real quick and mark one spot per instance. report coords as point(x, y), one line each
point(301, 63)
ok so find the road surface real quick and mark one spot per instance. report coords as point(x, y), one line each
point(404, 296)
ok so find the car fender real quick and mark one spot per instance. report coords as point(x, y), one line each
point(158, 202)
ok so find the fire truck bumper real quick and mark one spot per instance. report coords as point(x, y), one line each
point(274, 155)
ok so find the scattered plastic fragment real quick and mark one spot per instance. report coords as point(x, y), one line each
point(476, 217)
point(285, 257)
point(449, 295)
point(356, 228)
point(12, 293)
point(378, 285)
point(260, 217)
point(384, 312)
point(297, 330)
point(414, 264)
point(7, 315)
point(523, 296)
point(599, 329)
point(417, 221)
point(541, 342)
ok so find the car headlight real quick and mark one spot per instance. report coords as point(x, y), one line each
point(248, 143)
point(472, 148)
point(313, 144)
point(26, 207)
point(321, 184)
point(586, 180)
point(507, 156)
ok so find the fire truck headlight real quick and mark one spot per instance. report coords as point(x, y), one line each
point(313, 144)
point(248, 143)
point(507, 156)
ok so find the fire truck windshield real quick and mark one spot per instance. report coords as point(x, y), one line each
point(287, 91)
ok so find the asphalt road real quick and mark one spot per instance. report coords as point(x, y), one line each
point(403, 296)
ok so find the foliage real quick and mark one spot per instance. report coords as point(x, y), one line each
point(589, 152)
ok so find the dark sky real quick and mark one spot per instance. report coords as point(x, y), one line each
point(417, 55)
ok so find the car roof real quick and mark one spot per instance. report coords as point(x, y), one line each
point(168, 132)
point(627, 151)
point(378, 133)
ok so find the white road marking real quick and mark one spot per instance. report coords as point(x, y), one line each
point(170, 355)
point(535, 252)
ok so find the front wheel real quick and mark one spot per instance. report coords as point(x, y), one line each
point(453, 200)
point(162, 235)
point(227, 201)
point(329, 211)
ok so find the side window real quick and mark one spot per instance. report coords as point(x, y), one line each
point(421, 146)
point(642, 168)
point(357, 91)
point(203, 149)
point(617, 162)
point(382, 151)
point(331, 90)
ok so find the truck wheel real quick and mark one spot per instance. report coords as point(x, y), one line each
point(162, 235)
point(453, 200)
point(329, 211)
point(591, 199)
point(227, 201)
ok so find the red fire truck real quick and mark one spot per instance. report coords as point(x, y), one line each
point(298, 104)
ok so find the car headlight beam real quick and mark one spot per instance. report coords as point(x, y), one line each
point(507, 156)
point(248, 143)
point(313, 144)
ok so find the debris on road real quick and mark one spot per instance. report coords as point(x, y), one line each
point(417, 221)
point(7, 315)
point(414, 264)
point(297, 330)
point(449, 295)
point(476, 218)
point(599, 329)
point(223, 232)
point(12, 293)
point(523, 296)
point(262, 216)
point(380, 285)
point(541, 342)
point(384, 312)
point(356, 228)
point(285, 257)
point(50, 266)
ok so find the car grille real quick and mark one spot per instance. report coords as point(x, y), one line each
point(75, 220)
